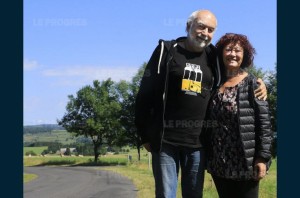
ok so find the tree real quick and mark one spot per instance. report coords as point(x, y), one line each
point(128, 92)
point(272, 99)
point(68, 151)
point(54, 146)
point(94, 113)
point(256, 71)
point(272, 96)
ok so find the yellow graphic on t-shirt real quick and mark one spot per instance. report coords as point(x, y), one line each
point(192, 78)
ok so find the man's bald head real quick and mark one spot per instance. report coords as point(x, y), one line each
point(202, 15)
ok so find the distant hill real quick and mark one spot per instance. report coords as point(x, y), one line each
point(42, 128)
point(42, 135)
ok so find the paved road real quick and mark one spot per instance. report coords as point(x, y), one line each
point(77, 182)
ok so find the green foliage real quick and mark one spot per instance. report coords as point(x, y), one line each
point(103, 151)
point(128, 93)
point(84, 149)
point(54, 146)
point(272, 96)
point(94, 113)
point(272, 99)
point(68, 152)
point(45, 152)
point(32, 153)
point(256, 71)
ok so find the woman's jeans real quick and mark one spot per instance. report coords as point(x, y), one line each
point(166, 165)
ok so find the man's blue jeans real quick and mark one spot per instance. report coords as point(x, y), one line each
point(166, 165)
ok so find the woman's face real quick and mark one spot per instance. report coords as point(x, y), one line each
point(233, 56)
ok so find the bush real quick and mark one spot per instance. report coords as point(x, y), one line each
point(103, 151)
point(32, 153)
point(68, 151)
point(45, 152)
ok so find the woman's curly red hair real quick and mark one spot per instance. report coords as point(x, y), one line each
point(243, 41)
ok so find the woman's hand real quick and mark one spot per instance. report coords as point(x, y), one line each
point(260, 168)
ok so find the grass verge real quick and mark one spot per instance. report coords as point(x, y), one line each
point(28, 177)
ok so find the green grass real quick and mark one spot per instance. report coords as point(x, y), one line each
point(268, 185)
point(37, 150)
point(28, 177)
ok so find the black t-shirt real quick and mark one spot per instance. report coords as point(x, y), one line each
point(190, 80)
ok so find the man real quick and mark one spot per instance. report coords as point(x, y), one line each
point(171, 105)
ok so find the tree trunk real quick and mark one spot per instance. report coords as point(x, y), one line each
point(96, 146)
point(139, 149)
point(139, 153)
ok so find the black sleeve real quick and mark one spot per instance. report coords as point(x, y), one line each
point(263, 132)
point(263, 129)
point(145, 97)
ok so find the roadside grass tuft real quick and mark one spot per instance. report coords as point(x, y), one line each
point(28, 177)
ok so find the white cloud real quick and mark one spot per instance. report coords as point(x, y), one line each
point(89, 73)
point(29, 64)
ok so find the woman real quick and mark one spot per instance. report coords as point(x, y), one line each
point(239, 145)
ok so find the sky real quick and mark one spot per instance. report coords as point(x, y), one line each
point(68, 44)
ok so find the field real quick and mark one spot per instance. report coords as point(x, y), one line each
point(140, 172)
point(37, 150)
point(60, 136)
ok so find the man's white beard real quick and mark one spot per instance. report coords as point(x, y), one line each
point(200, 45)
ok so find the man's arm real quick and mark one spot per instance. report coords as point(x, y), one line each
point(147, 147)
point(261, 92)
point(144, 99)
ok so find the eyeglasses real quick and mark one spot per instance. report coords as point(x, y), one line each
point(237, 50)
point(202, 26)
